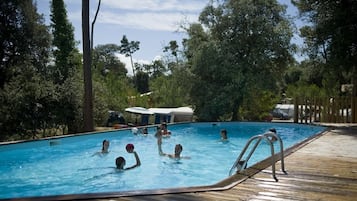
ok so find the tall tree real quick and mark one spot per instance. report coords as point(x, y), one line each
point(330, 38)
point(142, 82)
point(23, 36)
point(67, 63)
point(106, 61)
point(25, 92)
point(128, 48)
point(63, 41)
point(173, 49)
point(244, 37)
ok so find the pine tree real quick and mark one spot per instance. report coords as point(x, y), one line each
point(67, 62)
point(63, 41)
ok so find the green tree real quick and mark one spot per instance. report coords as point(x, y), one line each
point(128, 49)
point(243, 38)
point(26, 92)
point(111, 92)
point(67, 64)
point(173, 48)
point(63, 41)
point(106, 61)
point(330, 38)
point(171, 90)
point(23, 36)
point(142, 82)
point(158, 68)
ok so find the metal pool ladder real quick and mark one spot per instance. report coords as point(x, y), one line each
point(240, 164)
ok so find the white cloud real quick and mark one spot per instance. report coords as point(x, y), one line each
point(157, 5)
point(136, 17)
point(147, 20)
point(157, 15)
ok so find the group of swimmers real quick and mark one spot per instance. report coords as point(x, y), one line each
point(120, 161)
point(161, 132)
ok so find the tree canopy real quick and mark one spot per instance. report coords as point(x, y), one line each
point(25, 90)
point(330, 39)
point(63, 42)
point(242, 38)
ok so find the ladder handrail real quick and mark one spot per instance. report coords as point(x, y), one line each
point(265, 136)
point(272, 134)
point(236, 163)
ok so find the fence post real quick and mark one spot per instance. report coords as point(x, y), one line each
point(354, 109)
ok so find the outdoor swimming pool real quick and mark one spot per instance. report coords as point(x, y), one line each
point(69, 167)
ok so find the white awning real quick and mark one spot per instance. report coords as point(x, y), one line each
point(138, 110)
point(161, 110)
point(166, 111)
point(183, 110)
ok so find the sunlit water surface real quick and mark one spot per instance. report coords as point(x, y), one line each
point(38, 169)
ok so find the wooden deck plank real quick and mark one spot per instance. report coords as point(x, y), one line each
point(323, 169)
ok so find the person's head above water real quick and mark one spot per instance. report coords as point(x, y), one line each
point(224, 134)
point(120, 162)
point(178, 149)
point(105, 146)
point(273, 138)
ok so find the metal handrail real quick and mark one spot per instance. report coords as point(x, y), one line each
point(240, 164)
point(277, 137)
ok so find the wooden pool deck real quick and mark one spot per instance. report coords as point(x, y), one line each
point(324, 168)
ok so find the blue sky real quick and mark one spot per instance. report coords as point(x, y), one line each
point(152, 22)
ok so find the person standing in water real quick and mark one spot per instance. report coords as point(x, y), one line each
point(177, 153)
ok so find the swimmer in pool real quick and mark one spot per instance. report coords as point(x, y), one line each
point(158, 131)
point(144, 131)
point(105, 148)
point(272, 138)
point(162, 130)
point(224, 137)
point(176, 155)
point(135, 130)
point(120, 161)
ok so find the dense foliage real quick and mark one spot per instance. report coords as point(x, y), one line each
point(330, 43)
point(242, 39)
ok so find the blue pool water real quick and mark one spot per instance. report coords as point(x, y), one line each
point(38, 169)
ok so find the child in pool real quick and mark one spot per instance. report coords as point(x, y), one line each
point(120, 161)
point(105, 148)
point(177, 153)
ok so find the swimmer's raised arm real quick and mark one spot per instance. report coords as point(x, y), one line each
point(138, 163)
point(159, 142)
point(176, 155)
